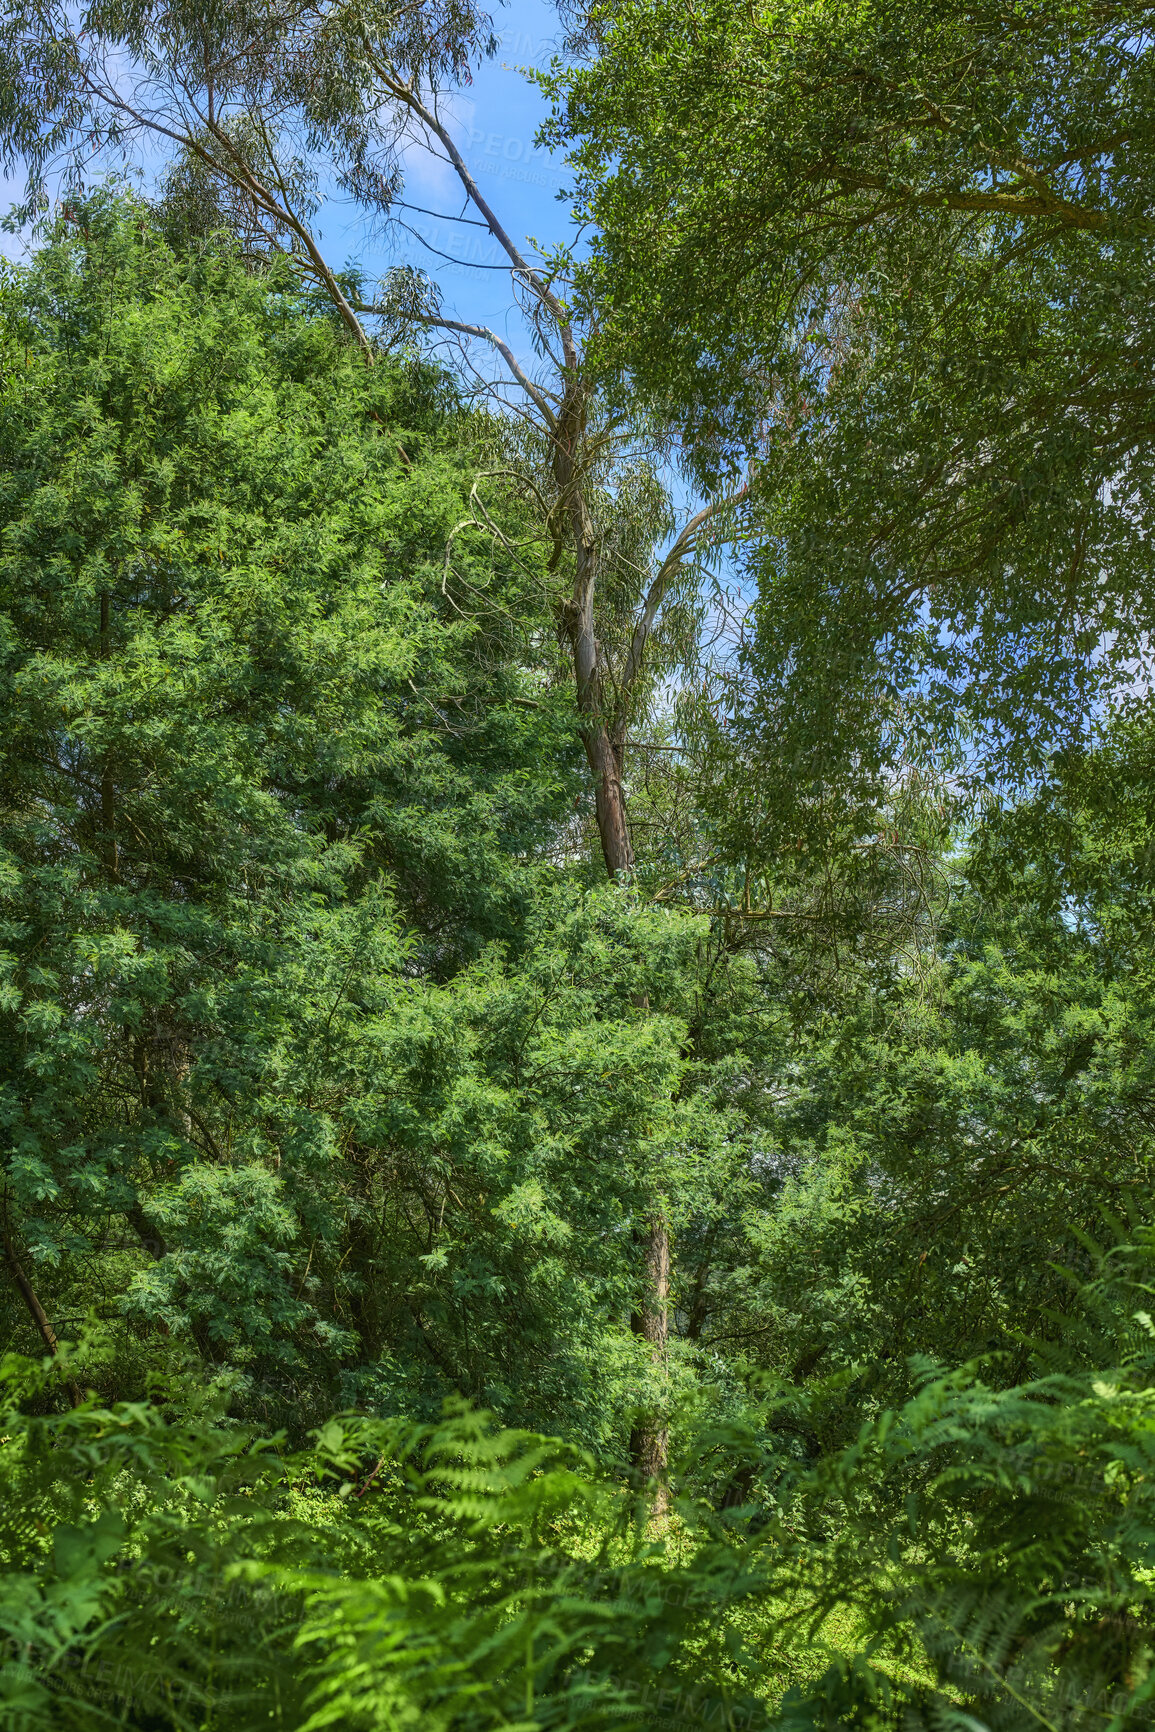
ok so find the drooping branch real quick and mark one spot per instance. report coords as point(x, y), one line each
point(536, 393)
point(233, 167)
point(672, 563)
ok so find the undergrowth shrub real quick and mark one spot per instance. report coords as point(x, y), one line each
point(982, 1557)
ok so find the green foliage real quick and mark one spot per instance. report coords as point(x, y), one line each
point(315, 1056)
point(943, 1131)
point(328, 1083)
point(997, 1549)
point(898, 254)
point(978, 1554)
point(261, 784)
point(163, 1571)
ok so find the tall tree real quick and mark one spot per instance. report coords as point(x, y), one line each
point(249, 100)
point(254, 766)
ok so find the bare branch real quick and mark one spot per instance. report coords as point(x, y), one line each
point(536, 393)
point(656, 594)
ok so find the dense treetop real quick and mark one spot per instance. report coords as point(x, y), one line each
point(899, 256)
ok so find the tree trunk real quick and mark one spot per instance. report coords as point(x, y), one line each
point(602, 733)
point(35, 1309)
point(649, 1439)
point(609, 803)
point(602, 747)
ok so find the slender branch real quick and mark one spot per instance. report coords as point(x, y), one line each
point(423, 210)
point(237, 170)
point(28, 1294)
point(996, 203)
point(466, 264)
point(536, 393)
point(402, 91)
point(656, 593)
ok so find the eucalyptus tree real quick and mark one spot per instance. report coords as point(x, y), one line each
point(318, 1051)
point(254, 104)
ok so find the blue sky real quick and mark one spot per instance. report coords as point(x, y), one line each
point(495, 121)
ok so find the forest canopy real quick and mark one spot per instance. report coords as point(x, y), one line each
point(933, 224)
point(576, 991)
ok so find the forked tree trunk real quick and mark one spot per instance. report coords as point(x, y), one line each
point(649, 1438)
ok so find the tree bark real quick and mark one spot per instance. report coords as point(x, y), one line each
point(600, 733)
point(605, 762)
point(650, 1437)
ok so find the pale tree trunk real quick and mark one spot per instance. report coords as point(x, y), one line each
point(601, 726)
point(603, 738)
point(605, 764)
point(601, 734)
